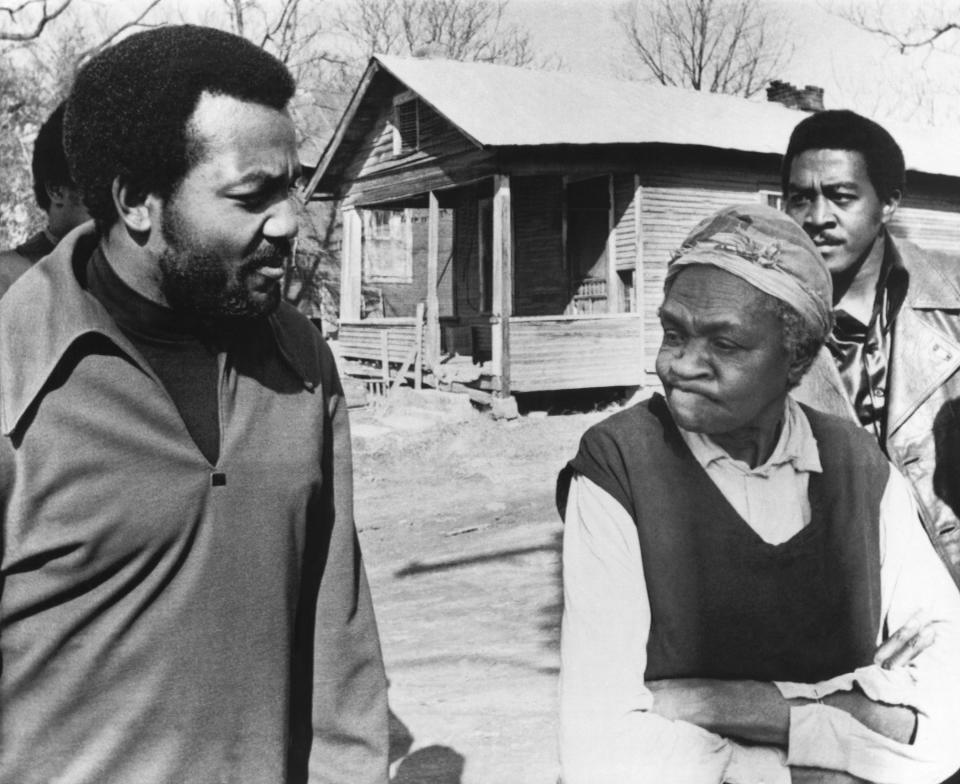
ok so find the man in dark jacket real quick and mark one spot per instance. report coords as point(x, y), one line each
point(892, 360)
point(183, 598)
point(56, 195)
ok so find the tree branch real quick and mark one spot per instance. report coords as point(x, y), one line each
point(46, 16)
point(728, 47)
point(109, 39)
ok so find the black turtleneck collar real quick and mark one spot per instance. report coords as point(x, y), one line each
point(133, 312)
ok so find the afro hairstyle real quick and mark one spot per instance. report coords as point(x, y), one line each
point(841, 129)
point(49, 164)
point(128, 111)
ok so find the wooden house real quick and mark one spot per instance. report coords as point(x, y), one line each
point(533, 213)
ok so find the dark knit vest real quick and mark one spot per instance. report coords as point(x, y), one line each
point(724, 603)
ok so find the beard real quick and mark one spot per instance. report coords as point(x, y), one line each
point(201, 283)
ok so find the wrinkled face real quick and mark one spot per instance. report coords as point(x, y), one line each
point(831, 196)
point(228, 226)
point(722, 362)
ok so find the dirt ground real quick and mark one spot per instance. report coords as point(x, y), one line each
point(461, 541)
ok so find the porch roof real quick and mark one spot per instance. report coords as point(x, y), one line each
point(505, 106)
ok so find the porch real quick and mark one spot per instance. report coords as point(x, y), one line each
point(525, 284)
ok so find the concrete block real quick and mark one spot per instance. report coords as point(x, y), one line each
point(504, 407)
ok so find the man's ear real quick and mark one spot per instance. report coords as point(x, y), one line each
point(136, 209)
point(890, 206)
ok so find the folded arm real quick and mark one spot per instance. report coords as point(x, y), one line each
point(759, 713)
point(891, 721)
point(609, 732)
point(859, 725)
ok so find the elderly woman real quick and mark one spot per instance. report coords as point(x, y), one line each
point(732, 560)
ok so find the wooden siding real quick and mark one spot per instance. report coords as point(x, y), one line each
point(363, 339)
point(625, 231)
point(680, 187)
point(575, 352)
point(674, 201)
point(374, 154)
point(540, 286)
point(400, 298)
point(468, 300)
point(373, 174)
point(409, 183)
point(932, 229)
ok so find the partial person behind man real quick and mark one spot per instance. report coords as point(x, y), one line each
point(182, 594)
point(734, 563)
point(56, 195)
point(892, 360)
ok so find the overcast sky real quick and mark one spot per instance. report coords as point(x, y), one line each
point(857, 70)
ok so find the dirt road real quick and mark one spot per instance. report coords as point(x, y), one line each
point(461, 540)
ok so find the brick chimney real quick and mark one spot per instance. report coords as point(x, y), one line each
point(808, 99)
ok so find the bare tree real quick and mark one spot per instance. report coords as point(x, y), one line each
point(711, 45)
point(38, 61)
point(296, 34)
point(919, 85)
point(26, 20)
point(291, 31)
point(19, 105)
point(458, 29)
point(914, 26)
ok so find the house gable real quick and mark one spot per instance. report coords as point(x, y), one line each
point(393, 130)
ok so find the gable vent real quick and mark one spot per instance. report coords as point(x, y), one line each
point(406, 126)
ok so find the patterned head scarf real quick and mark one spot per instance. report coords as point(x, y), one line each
point(764, 247)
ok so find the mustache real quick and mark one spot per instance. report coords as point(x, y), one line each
point(269, 255)
point(826, 238)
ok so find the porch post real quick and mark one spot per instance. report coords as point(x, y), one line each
point(639, 282)
point(351, 264)
point(613, 280)
point(502, 280)
point(433, 301)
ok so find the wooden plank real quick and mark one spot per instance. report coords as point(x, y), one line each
point(404, 368)
point(576, 353)
point(502, 280)
point(433, 265)
point(418, 344)
point(398, 182)
point(640, 301)
point(363, 340)
point(476, 395)
point(380, 323)
point(385, 355)
point(613, 280)
point(564, 231)
point(351, 265)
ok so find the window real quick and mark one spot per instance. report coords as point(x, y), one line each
point(384, 224)
point(772, 199)
point(406, 124)
point(387, 246)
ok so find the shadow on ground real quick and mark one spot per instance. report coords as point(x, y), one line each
point(440, 566)
point(551, 613)
point(430, 765)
